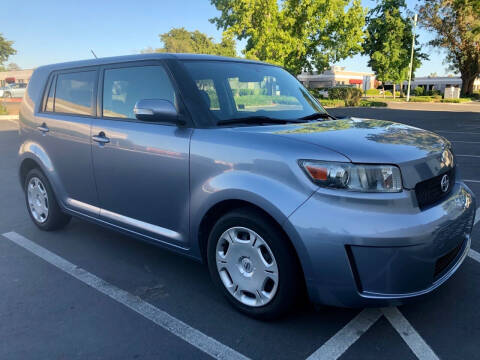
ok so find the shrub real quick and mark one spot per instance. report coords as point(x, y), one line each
point(350, 95)
point(315, 93)
point(433, 93)
point(419, 91)
point(243, 92)
point(3, 110)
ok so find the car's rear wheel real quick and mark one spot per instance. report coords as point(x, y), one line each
point(7, 95)
point(253, 263)
point(41, 203)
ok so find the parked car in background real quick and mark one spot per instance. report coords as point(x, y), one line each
point(233, 163)
point(13, 90)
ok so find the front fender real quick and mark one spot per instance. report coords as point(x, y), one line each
point(273, 196)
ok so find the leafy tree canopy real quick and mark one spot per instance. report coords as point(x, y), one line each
point(180, 40)
point(296, 34)
point(388, 42)
point(456, 24)
point(6, 50)
point(13, 66)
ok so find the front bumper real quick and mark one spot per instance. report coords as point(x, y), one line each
point(379, 249)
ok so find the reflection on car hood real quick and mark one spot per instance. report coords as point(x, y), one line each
point(374, 141)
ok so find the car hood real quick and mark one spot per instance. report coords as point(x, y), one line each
point(419, 153)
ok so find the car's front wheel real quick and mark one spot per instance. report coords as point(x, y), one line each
point(41, 203)
point(253, 263)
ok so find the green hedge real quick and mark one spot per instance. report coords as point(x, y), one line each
point(3, 110)
point(372, 103)
point(456, 101)
point(421, 99)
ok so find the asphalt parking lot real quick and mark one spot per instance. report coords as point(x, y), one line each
point(86, 292)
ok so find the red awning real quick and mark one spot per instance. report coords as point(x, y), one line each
point(10, 80)
point(355, 81)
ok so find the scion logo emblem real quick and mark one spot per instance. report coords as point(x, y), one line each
point(445, 183)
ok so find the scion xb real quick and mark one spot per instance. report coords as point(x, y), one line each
point(233, 163)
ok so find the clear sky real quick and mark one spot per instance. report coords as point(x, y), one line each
point(52, 31)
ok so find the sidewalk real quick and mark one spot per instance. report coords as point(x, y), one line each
point(463, 107)
point(9, 117)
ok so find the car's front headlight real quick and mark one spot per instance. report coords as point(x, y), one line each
point(353, 177)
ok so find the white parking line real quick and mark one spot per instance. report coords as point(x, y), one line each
point(474, 156)
point(477, 217)
point(465, 142)
point(474, 255)
point(457, 132)
point(194, 337)
point(346, 337)
point(411, 337)
point(474, 181)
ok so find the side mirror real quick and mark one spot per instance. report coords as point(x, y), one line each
point(156, 110)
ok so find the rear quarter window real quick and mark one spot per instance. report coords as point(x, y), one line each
point(73, 93)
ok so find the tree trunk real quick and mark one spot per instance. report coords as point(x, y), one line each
point(383, 87)
point(467, 83)
point(393, 91)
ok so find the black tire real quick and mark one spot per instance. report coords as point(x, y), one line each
point(7, 95)
point(56, 219)
point(290, 283)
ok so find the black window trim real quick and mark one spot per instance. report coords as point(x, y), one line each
point(46, 92)
point(182, 108)
point(54, 76)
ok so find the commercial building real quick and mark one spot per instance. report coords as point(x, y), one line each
point(338, 76)
point(15, 76)
point(439, 83)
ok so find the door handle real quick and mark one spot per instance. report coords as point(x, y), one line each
point(43, 128)
point(101, 138)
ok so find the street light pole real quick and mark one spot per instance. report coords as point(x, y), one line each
point(410, 68)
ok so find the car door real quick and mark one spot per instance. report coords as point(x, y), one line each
point(63, 127)
point(141, 168)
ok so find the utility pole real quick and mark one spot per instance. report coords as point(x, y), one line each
point(410, 68)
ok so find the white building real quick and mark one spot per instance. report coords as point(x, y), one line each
point(439, 83)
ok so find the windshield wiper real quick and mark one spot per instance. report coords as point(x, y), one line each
point(317, 115)
point(256, 120)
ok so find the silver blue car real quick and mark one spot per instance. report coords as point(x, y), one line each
point(233, 163)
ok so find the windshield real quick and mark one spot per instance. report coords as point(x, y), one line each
point(236, 90)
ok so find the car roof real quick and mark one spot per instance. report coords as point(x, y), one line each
point(140, 57)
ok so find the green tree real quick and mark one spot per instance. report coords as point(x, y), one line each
point(457, 27)
point(13, 66)
point(388, 42)
point(180, 40)
point(296, 34)
point(6, 50)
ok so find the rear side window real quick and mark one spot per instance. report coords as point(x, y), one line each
point(73, 93)
point(123, 87)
